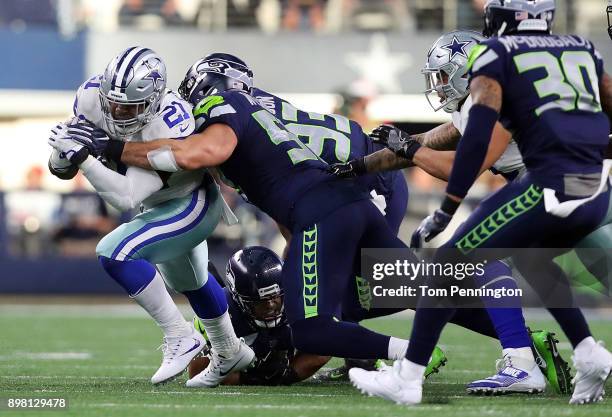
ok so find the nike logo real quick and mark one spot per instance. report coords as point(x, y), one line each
point(197, 345)
point(184, 129)
point(540, 360)
point(229, 370)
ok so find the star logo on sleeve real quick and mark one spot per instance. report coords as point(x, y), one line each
point(456, 47)
point(154, 74)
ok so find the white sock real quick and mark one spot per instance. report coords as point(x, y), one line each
point(522, 352)
point(397, 348)
point(221, 334)
point(411, 370)
point(154, 298)
point(585, 346)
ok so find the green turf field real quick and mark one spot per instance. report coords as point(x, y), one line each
point(102, 361)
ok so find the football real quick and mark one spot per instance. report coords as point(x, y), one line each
point(61, 167)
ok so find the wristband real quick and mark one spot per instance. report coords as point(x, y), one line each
point(449, 206)
point(162, 159)
point(409, 149)
point(359, 166)
point(114, 149)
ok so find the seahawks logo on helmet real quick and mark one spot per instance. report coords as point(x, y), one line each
point(213, 74)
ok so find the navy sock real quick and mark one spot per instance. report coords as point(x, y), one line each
point(208, 301)
point(322, 335)
point(476, 320)
point(133, 275)
point(426, 328)
point(573, 323)
point(509, 322)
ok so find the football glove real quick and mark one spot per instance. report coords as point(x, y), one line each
point(350, 169)
point(87, 134)
point(68, 149)
point(273, 369)
point(430, 227)
point(400, 142)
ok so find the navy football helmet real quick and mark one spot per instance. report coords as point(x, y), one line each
point(215, 73)
point(253, 276)
point(505, 17)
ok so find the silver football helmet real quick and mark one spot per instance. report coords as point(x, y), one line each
point(131, 90)
point(446, 69)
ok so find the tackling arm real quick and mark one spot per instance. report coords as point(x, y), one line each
point(443, 137)
point(440, 163)
point(209, 148)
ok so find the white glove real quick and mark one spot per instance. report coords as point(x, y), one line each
point(67, 147)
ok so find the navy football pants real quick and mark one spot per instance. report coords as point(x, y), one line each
point(513, 217)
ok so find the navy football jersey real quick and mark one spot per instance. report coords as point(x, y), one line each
point(550, 103)
point(262, 341)
point(270, 166)
point(332, 137)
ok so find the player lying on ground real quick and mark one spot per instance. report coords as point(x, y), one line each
point(562, 134)
point(254, 294)
point(166, 242)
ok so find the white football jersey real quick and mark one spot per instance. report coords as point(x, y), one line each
point(510, 161)
point(174, 120)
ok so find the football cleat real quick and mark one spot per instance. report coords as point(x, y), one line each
point(391, 384)
point(592, 371)
point(220, 367)
point(437, 361)
point(555, 369)
point(515, 375)
point(177, 353)
point(341, 373)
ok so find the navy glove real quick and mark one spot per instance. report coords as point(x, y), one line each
point(430, 227)
point(400, 142)
point(350, 169)
point(87, 134)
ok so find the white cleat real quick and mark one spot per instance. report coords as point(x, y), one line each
point(220, 367)
point(592, 371)
point(388, 384)
point(514, 375)
point(177, 353)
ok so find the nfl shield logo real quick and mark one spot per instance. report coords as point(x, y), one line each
point(521, 15)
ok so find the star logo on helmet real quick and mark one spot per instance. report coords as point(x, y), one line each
point(154, 74)
point(456, 47)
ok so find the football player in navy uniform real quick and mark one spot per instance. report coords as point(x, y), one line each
point(445, 73)
point(329, 219)
point(552, 92)
point(283, 177)
point(254, 294)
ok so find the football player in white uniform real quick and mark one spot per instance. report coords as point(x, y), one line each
point(166, 241)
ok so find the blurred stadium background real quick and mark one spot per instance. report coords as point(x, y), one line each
point(361, 58)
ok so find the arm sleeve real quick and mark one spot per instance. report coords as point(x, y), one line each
point(124, 192)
